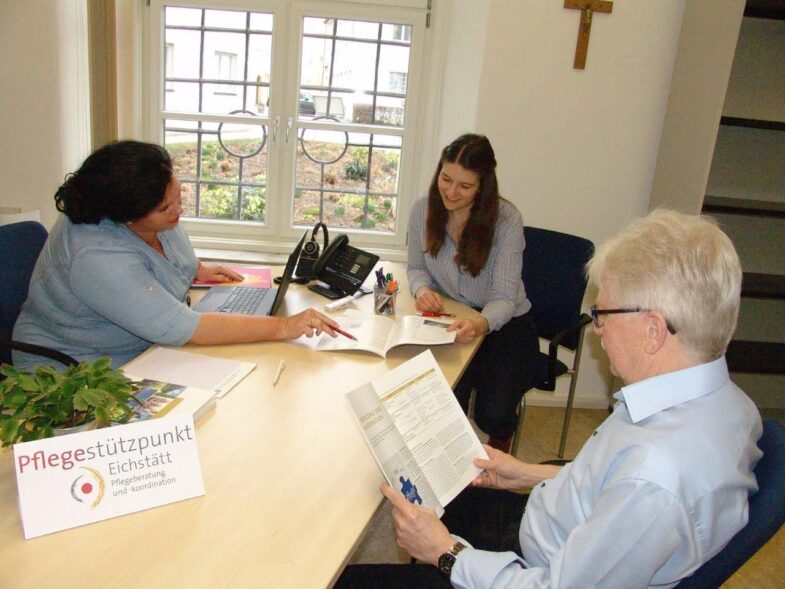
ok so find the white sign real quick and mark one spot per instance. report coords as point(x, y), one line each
point(82, 478)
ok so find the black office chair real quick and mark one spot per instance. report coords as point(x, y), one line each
point(555, 281)
point(766, 516)
point(20, 244)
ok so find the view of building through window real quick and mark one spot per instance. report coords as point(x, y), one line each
point(344, 141)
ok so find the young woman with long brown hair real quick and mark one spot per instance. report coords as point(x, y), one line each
point(466, 241)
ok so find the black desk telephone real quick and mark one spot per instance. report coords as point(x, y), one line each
point(341, 267)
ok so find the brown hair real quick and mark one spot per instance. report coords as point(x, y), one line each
point(473, 152)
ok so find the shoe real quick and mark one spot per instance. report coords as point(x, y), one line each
point(502, 444)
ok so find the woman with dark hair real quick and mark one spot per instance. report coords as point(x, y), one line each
point(113, 276)
point(466, 241)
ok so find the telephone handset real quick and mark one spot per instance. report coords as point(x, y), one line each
point(343, 268)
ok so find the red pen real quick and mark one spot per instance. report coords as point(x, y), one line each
point(343, 333)
point(435, 314)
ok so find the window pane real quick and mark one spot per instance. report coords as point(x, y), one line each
point(261, 22)
point(392, 59)
point(357, 29)
point(230, 70)
point(259, 54)
point(182, 96)
point(190, 17)
point(224, 166)
point(225, 19)
point(360, 81)
point(186, 47)
point(347, 180)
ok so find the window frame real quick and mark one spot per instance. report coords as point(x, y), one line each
point(277, 233)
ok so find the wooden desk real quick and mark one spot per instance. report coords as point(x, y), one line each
point(290, 484)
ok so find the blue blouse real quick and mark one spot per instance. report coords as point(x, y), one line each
point(99, 290)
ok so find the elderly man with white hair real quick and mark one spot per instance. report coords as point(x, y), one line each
point(660, 487)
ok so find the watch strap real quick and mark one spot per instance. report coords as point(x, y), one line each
point(447, 560)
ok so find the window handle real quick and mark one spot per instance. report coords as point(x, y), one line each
point(276, 122)
point(288, 127)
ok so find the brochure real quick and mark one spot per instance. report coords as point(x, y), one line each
point(378, 334)
point(417, 432)
point(154, 399)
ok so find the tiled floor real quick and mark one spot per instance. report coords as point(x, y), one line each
point(542, 428)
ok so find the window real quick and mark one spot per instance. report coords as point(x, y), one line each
point(398, 82)
point(225, 64)
point(402, 33)
point(284, 115)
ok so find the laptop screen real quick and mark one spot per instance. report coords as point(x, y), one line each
point(288, 272)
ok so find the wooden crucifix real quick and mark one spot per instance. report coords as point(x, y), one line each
point(587, 8)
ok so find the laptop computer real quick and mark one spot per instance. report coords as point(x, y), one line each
point(249, 300)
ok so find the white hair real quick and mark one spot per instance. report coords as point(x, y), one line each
point(682, 266)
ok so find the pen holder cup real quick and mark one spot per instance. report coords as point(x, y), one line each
point(384, 302)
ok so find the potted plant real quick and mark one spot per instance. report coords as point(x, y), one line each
point(34, 404)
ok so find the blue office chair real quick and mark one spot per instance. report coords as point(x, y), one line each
point(20, 244)
point(766, 516)
point(555, 280)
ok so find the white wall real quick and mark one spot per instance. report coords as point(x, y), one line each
point(707, 42)
point(44, 104)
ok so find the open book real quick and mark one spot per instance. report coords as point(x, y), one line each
point(378, 334)
point(418, 433)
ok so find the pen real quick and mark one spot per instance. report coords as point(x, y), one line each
point(281, 366)
point(343, 333)
point(435, 314)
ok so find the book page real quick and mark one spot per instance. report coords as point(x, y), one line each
point(379, 334)
point(427, 331)
point(373, 333)
point(429, 419)
point(388, 448)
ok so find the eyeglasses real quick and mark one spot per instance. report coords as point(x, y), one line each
point(599, 320)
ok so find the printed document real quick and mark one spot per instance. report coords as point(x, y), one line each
point(417, 432)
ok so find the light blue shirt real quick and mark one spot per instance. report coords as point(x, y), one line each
point(498, 289)
point(660, 487)
point(99, 290)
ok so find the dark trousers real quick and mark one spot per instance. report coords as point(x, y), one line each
point(503, 368)
point(486, 518)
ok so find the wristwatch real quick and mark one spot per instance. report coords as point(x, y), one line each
point(447, 560)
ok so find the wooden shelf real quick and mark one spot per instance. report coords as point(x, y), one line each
point(774, 9)
point(753, 123)
point(756, 357)
point(744, 206)
point(763, 286)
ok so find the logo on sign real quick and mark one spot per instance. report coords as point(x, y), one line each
point(89, 487)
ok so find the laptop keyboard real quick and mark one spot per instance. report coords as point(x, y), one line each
point(243, 300)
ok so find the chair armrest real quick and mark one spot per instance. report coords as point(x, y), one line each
point(64, 359)
point(553, 349)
